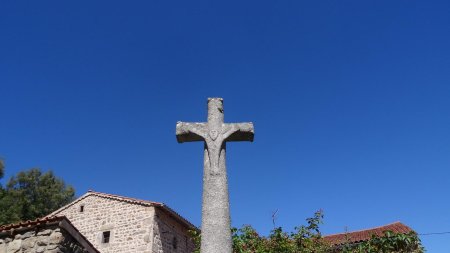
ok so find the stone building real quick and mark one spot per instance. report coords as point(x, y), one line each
point(117, 224)
point(50, 235)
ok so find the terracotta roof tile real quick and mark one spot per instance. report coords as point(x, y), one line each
point(29, 223)
point(366, 234)
point(61, 221)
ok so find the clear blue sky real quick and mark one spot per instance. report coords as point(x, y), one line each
point(350, 101)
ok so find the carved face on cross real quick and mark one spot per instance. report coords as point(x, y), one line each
point(215, 131)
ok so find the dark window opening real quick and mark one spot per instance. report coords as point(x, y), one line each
point(106, 236)
point(174, 243)
point(81, 208)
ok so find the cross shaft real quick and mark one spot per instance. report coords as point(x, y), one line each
point(216, 231)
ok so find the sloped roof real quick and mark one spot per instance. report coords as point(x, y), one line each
point(29, 223)
point(366, 234)
point(134, 201)
point(60, 221)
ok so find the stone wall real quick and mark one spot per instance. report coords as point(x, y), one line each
point(133, 227)
point(51, 239)
point(170, 236)
point(130, 225)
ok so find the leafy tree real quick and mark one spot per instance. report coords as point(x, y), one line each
point(2, 191)
point(308, 239)
point(32, 194)
point(2, 167)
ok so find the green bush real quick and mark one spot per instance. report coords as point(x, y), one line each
point(308, 239)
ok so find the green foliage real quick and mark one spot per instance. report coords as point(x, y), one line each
point(2, 167)
point(32, 194)
point(308, 239)
point(389, 242)
point(196, 239)
point(304, 239)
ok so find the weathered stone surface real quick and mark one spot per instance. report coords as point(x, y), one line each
point(2, 247)
point(14, 246)
point(46, 240)
point(55, 237)
point(40, 249)
point(134, 228)
point(216, 235)
point(29, 243)
point(45, 232)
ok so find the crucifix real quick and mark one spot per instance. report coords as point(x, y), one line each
point(216, 230)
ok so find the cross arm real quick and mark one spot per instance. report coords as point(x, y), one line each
point(191, 132)
point(239, 132)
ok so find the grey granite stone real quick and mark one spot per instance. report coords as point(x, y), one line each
point(216, 232)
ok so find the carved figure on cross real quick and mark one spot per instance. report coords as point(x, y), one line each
point(216, 233)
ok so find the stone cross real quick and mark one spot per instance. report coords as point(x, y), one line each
point(216, 230)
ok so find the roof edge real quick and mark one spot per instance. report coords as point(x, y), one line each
point(54, 213)
point(180, 218)
point(60, 221)
point(366, 229)
point(129, 200)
